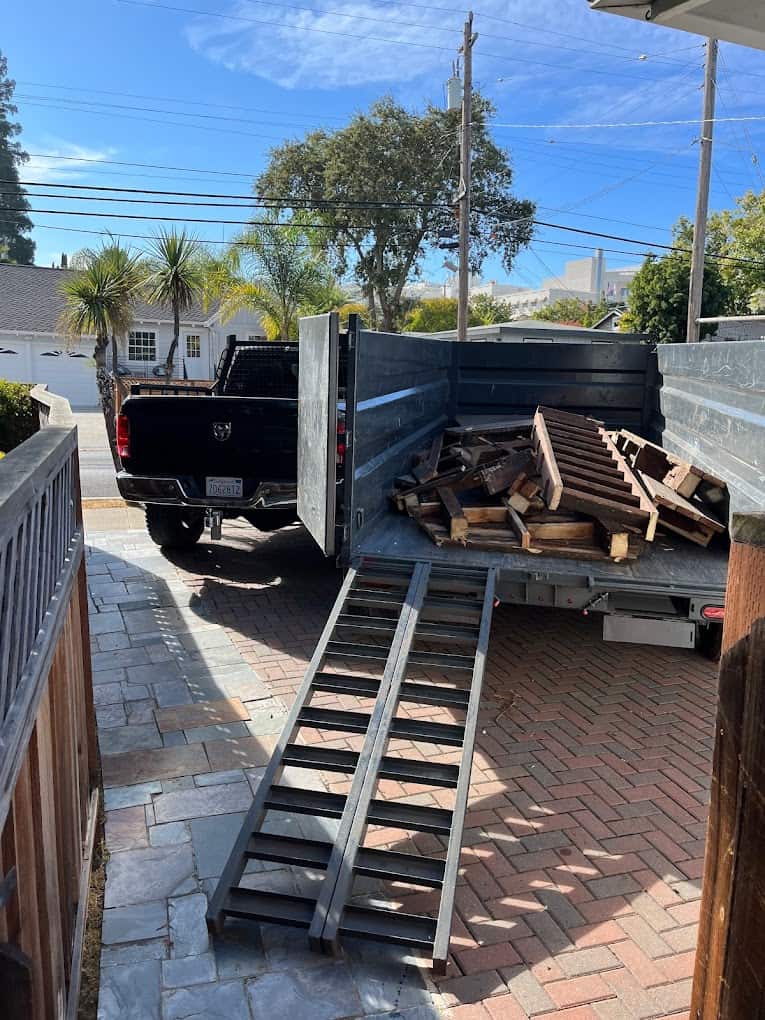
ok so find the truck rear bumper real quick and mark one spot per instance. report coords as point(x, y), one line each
point(171, 491)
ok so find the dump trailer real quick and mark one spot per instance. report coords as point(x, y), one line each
point(393, 689)
point(702, 402)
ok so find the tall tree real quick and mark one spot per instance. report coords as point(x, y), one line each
point(409, 161)
point(14, 221)
point(175, 278)
point(99, 303)
point(271, 270)
point(573, 309)
point(658, 298)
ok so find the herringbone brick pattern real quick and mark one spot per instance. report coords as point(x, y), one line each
point(580, 878)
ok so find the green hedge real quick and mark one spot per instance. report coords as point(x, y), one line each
point(18, 415)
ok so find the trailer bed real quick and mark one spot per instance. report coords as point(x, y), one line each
point(668, 567)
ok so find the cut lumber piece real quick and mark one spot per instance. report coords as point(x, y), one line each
point(500, 476)
point(450, 478)
point(616, 543)
point(530, 488)
point(675, 472)
point(681, 516)
point(552, 484)
point(488, 426)
point(578, 483)
point(458, 525)
point(412, 504)
point(579, 421)
point(517, 502)
point(485, 514)
point(519, 528)
point(563, 532)
point(428, 468)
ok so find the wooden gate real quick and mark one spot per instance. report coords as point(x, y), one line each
point(48, 792)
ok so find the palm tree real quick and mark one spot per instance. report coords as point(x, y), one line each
point(99, 303)
point(271, 270)
point(176, 278)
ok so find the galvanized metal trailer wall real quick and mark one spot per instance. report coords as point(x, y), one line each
point(712, 411)
point(398, 397)
point(608, 380)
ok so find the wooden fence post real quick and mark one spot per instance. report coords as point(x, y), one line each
point(729, 979)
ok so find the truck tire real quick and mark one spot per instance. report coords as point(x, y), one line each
point(271, 520)
point(172, 528)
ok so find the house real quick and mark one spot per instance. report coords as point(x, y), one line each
point(610, 321)
point(539, 331)
point(32, 348)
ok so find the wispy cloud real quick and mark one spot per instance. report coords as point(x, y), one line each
point(63, 161)
point(331, 44)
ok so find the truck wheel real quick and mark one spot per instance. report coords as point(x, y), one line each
point(271, 520)
point(172, 528)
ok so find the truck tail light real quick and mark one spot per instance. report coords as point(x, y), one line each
point(341, 440)
point(716, 613)
point(123, 435)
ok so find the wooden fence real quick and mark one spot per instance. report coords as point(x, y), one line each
point(48, 753)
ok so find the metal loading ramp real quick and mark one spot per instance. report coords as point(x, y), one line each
point(404, 639)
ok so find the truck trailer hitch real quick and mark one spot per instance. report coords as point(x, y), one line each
point(214, 523)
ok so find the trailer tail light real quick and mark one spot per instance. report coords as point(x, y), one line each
point(716, 613)
point(123, 436)
point(341, 440)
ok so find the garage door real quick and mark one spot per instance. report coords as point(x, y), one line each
point(67, 369)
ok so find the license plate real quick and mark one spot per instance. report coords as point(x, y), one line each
point(223, 488)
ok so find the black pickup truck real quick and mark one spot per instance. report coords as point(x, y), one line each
point(194, 456)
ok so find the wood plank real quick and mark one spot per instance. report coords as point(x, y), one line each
point(458, 525)
point(601, 473)
point(585, 485)
point(636, 484)
point(616, 543)
point(515, 501)
point(587, 440)
point(78, 946)
point(550, 531)
point(671, 500)
point(500, 476)
point(429, 467)
point(598, 506)
point(579, 453)
point(552, 483)
point(485, 514)
point(29, 896)
point(519, 527)
point(579, 421)
point(518, 424)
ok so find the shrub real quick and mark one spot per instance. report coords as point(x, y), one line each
point(18, 415)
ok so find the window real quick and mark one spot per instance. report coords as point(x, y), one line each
point(193, 346)
point(142, 345)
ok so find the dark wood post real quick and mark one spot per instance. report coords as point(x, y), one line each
point(729, 979)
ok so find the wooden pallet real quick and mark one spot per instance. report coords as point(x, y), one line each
point(582, 470)
point(681, 516)
point(656, 462)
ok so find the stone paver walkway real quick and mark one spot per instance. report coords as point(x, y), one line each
point(579, 885)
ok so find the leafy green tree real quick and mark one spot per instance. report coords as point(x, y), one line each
point(175, 277)
point(658, 298)
point(14, 221)
point(488, 309)
point(99, 303)
point(573, 310)
point(272, 270)
point(408, 159)
point(432, 315)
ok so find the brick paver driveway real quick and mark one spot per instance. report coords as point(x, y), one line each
point(579, 889)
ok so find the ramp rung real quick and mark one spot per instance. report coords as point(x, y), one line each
point(429, 732)
point(348, 650)
point(305, 853)
point(305, 802)
point(389, 926)
point(333, 719)
point(410, 816)
point(405, 770)
point(397, 867)
point(435, 694)
point(454, 631)
point(328, 759)
point(372, 597)
point(440, 660)
point(271, 908)
point(375, 624)
point(337, 683)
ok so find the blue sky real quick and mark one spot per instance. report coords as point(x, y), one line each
point(209, 93)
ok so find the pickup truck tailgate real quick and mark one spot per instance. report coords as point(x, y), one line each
point(212, 436)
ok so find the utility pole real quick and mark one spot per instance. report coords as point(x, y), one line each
point(463, 197)
point(702, 195)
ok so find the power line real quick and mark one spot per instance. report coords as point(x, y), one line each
point(250, 199)
point(622, 124)
point(148, 166)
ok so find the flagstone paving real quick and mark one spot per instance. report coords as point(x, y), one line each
point(579, 885)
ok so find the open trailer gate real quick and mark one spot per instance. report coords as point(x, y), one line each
point(405, 641)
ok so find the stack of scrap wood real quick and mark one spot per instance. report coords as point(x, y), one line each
point(557, 483)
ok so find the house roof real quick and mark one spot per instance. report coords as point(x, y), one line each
point(31, 301)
